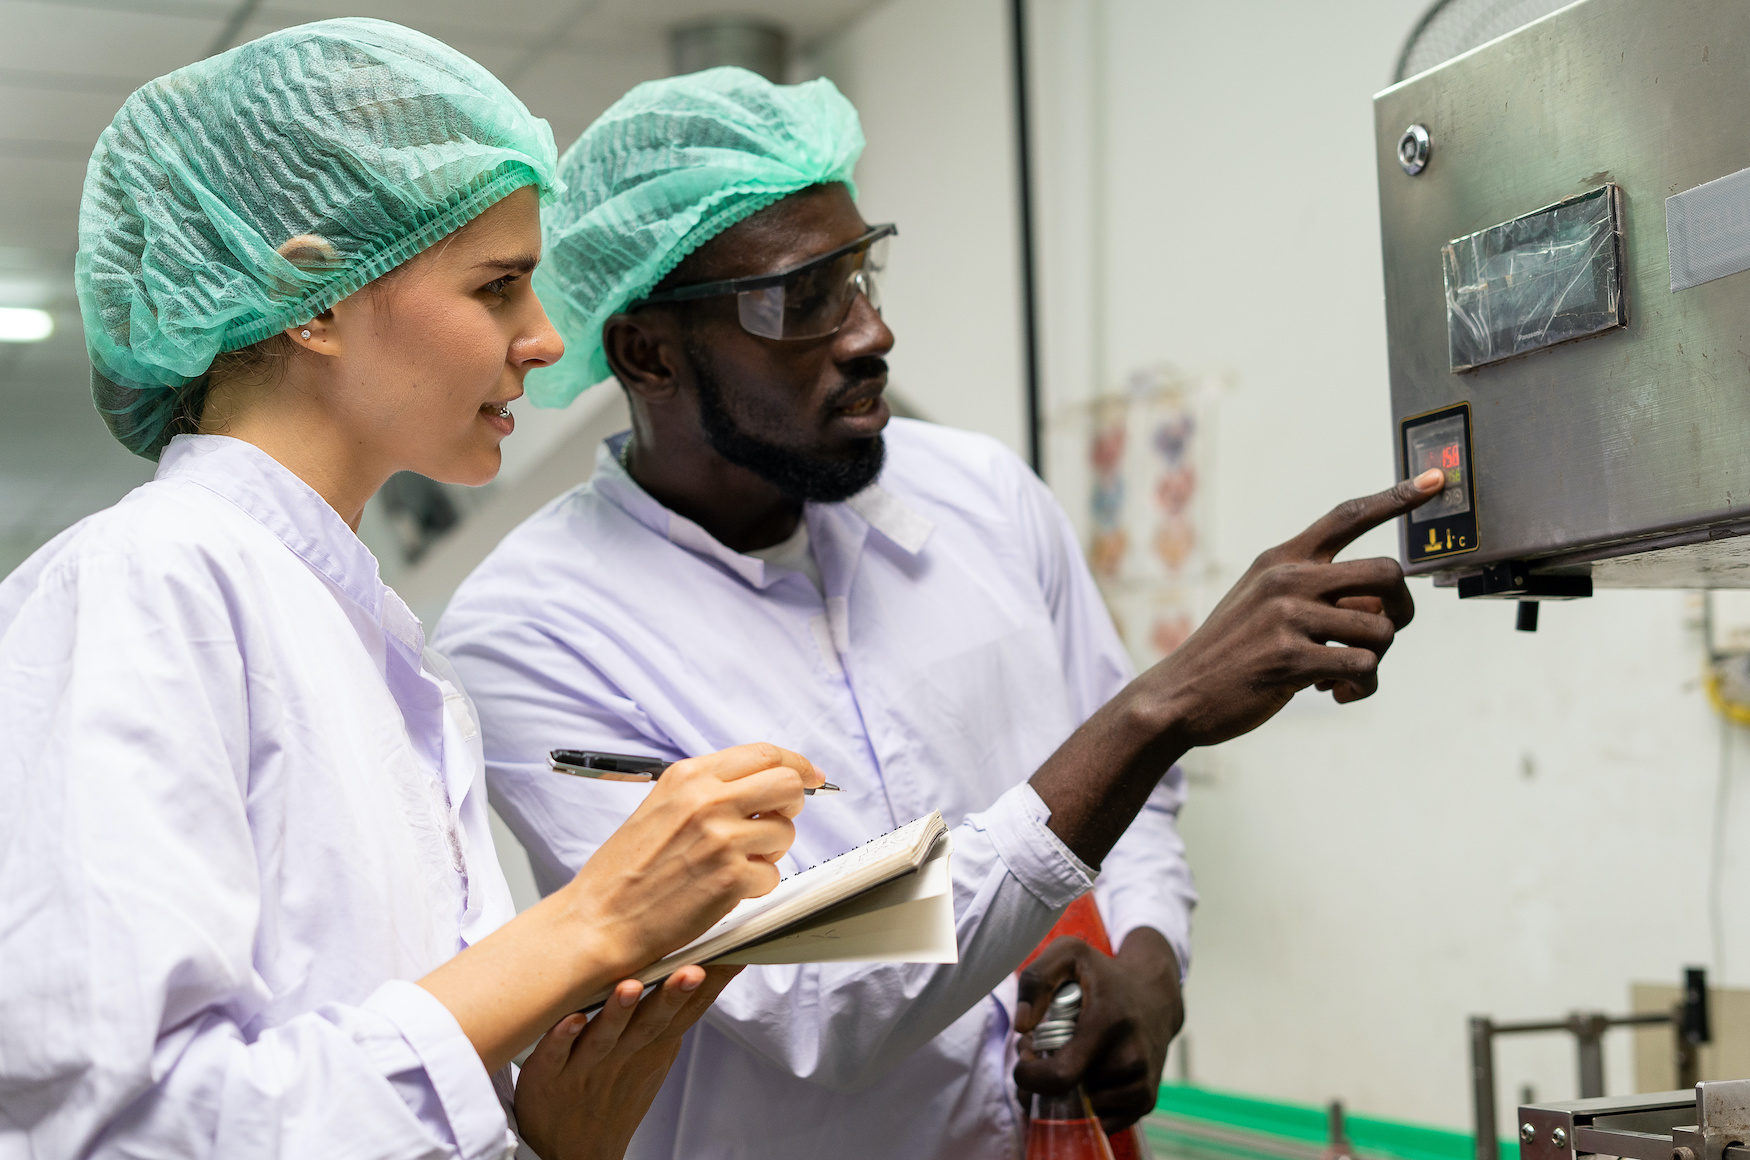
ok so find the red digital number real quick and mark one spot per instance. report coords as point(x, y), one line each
point(1449, 456)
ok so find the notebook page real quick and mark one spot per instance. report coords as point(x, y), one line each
point(798, 884)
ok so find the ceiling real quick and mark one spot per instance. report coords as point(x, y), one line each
point(67, 65)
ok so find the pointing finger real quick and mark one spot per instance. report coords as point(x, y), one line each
point(1349, 520)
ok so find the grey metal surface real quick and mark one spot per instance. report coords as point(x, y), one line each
point(1638, 1145)
point(1451, 27)
point(1631, 438)
point(1636, 1126)
point(1642, 1105)
point(1709, 1122)
point(1548, 1138)
point(1722, 1120)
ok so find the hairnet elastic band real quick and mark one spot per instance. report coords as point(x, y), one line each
point(475, 200)
point(725, 218)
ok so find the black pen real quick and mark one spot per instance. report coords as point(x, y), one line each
point(623, 766)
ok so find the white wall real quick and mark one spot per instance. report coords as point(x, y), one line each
point(930, 79)
point(1516, 825)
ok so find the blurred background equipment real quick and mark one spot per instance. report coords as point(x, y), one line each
point(1688, 1020)
point(761, 46)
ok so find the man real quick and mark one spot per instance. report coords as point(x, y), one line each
point(765, 556)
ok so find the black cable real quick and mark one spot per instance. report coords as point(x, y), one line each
point(1024, 182)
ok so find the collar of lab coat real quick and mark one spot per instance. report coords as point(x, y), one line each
point(878, 508)
point(270, 494)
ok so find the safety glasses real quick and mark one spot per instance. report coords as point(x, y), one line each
point(807, 301)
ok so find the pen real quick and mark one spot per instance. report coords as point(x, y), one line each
point(623, 767)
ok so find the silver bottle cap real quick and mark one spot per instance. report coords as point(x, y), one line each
point(1059, 1023)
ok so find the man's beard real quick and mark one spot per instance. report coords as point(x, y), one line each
point(798, 475)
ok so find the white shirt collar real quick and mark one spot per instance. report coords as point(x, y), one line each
point(879, 508)
point(274, 497)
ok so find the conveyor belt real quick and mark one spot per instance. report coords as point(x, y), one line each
point(1193, 1123)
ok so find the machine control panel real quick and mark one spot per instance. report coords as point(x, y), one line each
point(1447, 524)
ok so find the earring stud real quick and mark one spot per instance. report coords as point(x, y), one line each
point(305, 332)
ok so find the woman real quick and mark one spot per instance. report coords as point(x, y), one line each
point(249, 905)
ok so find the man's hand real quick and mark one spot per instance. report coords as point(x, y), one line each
point(1294, 619)
point(1273, 634)
point(1131, 1009)
point(585, 1087)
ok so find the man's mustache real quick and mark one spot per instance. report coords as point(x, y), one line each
point(858, 374)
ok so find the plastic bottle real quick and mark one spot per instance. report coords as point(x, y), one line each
point(1063, 1127)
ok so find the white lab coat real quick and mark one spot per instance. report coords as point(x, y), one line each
point(242, 811)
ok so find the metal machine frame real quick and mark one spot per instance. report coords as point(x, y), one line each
point(1712, 1122)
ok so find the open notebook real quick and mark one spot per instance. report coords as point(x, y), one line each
point(889, 900)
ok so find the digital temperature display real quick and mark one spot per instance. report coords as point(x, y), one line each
point(1447, 524)
point(1441, 444)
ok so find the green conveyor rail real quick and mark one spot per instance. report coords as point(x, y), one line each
point(1281, 1127)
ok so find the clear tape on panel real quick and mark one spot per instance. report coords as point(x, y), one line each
point(1548, 277)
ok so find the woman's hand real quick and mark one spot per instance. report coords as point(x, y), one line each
point(585, 1087)
point(709, 834)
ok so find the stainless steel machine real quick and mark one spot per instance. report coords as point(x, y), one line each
point(1565, 215)
point(1709, 1122)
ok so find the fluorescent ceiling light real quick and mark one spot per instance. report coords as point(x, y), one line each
point(20, 324)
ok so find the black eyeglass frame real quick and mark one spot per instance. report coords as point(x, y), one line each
point(762, 281)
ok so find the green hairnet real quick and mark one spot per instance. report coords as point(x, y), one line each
point(253, 190)
point(670, 166)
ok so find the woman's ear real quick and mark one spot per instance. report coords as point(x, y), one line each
point(318, 336)
point(643, 352)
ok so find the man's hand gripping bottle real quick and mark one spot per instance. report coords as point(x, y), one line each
point(1063, 1127)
